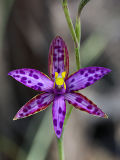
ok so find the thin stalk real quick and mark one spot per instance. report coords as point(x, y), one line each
point(60, 148)
point(72, 31)
point(69, 22)
point(76, 35)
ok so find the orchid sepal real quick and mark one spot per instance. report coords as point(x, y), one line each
point(38, 103)
point(58, 57)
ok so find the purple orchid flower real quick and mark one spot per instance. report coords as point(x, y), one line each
point(59, 87)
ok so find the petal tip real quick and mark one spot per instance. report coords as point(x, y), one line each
point(9, 74)
point(109, 70)
point(15, 118)
point(58, 136)
point(105, 116)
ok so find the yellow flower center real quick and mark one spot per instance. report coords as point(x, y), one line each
point(59, 80)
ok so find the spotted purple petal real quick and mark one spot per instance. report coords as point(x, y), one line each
point(32, 78)
point(85, 77)
point(58, 113)
point(36, 104)
point(83, 103)
point(58, 57)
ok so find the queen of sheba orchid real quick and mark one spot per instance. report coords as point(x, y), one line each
point(60, 87)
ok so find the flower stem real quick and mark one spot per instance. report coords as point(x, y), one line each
point(69, 22)
point(76, 35)
point(60, 148)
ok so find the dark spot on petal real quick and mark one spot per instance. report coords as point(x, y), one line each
point(79, 100)
point(30, 74)
point(31, 71)
point(60, 50)
point(69, 101)
point(28, 107)
point(35, 76)
point(75, 104)
point(57, 47)
point(86, 74)
point(25, 110)
point(81, 72)
point(54, 58)
point(96, 109)
point(40, 84)
point(96, 75)
point(95, 80)
point(58, 40)
point(39, 88)
point(55, 122)
point(54, 55)
point(60, 110)
point(87, 84)
point(58, 70)
point(81, 87)
point(100, 76)
point(17, 76)
point(45, 103)
point(82, 109)
point(64, 113)
point(90, 102)
point(61, 124)
point(91, 71)
point(22, 72)
point(90, 78)
point(102, 71)
point(98, 113)
point(32, 87)
point(38, 97)
point(72, 80)
point(23, 78)
point(29, 81)
point(58, 132)
point(39, 102)
point(89, 107)
point(17, 72)
point(71, 86)
point(26, 114)
point(97, 69)
point(45, 96)
point(21, 114)
point(61, 58)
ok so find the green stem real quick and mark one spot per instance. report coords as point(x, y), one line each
point(72, 31)
point(76, 35)
point(69, 21)
point(78, 29)
point(60, 148)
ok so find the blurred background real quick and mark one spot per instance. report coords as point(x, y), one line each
point(26, 29)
